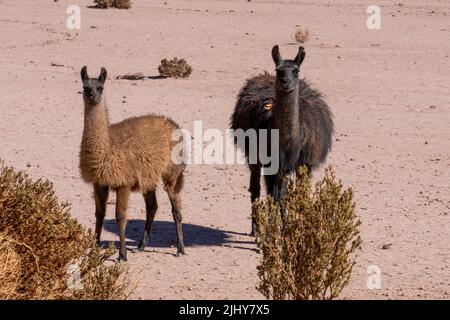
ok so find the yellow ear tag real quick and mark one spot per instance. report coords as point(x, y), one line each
point(268, 106)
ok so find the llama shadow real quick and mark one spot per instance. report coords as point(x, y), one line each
point(163, 235)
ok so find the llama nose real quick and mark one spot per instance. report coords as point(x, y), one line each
point(284, 84)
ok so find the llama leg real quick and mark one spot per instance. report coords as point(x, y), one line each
point(101, 198)
point(283, 188)
point(151, 206)
point(175, 202)
point(277, 188)
point(173, 190)
point(270, 185)
point(255, 190)
point(123, 193)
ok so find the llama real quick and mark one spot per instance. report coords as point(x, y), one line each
point(289, 104)
point(132, 155)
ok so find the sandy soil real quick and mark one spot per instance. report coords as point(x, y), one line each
point(389, 91)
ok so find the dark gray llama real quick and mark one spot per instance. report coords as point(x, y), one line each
point(303, 119)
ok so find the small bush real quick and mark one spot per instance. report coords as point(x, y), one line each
point(9, 268)
point(119, 4)
point(177, 68)
point(39, 240)
point(301, 34)
point(311, 254)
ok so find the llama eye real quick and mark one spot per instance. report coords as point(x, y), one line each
point(87, 89)
point(100, 89)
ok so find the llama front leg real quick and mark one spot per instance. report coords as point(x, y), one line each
point(151, 206)
point(101, 197)
point(123, 193)
point(273, 186)
point(255, 190)
point(277, 188)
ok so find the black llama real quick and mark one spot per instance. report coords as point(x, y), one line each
point(289, 104)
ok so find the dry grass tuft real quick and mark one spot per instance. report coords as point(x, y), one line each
point(176, 68)
point(301, 34)
point(312, 253)
point(40, 240)
point(119, 4)
point(10, 266)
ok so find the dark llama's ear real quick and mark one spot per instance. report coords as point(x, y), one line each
point(300, 56)
point(276, 55)
point(84, 74)
point(103, 74)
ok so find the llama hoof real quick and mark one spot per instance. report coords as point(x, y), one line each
point(122, 257)
point(141, 246)
point(180, 252)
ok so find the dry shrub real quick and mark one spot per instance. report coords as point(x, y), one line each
point(9, 268)
point(301, 34)
point(119, 4)
point(40, 233)
point(312, 253)
point(177, 68)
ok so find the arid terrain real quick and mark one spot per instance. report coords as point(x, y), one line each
point(389, 90)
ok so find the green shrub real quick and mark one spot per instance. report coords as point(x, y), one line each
point(177, 68)
point(39, 240)
point(312, 253)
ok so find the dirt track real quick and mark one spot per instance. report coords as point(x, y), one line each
point(389, 91)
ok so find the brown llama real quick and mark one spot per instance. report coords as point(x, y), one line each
point(132, 155)
point(288, 104)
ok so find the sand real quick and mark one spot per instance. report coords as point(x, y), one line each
point(388, 89)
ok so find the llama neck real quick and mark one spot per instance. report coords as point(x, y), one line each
point(286, 116)
point(96, 139)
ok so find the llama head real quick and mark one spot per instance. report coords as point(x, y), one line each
point(287, 70)
point(93, 87)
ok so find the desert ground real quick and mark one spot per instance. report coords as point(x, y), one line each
point(389, 90)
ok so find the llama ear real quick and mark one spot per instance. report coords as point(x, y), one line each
point(300, 56)
point(103, 74)
point(276, 55)
point(84, 74)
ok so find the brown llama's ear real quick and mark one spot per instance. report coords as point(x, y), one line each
point(103, 74)
point(300, 56)
point(84, 74)
point(276, 55)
